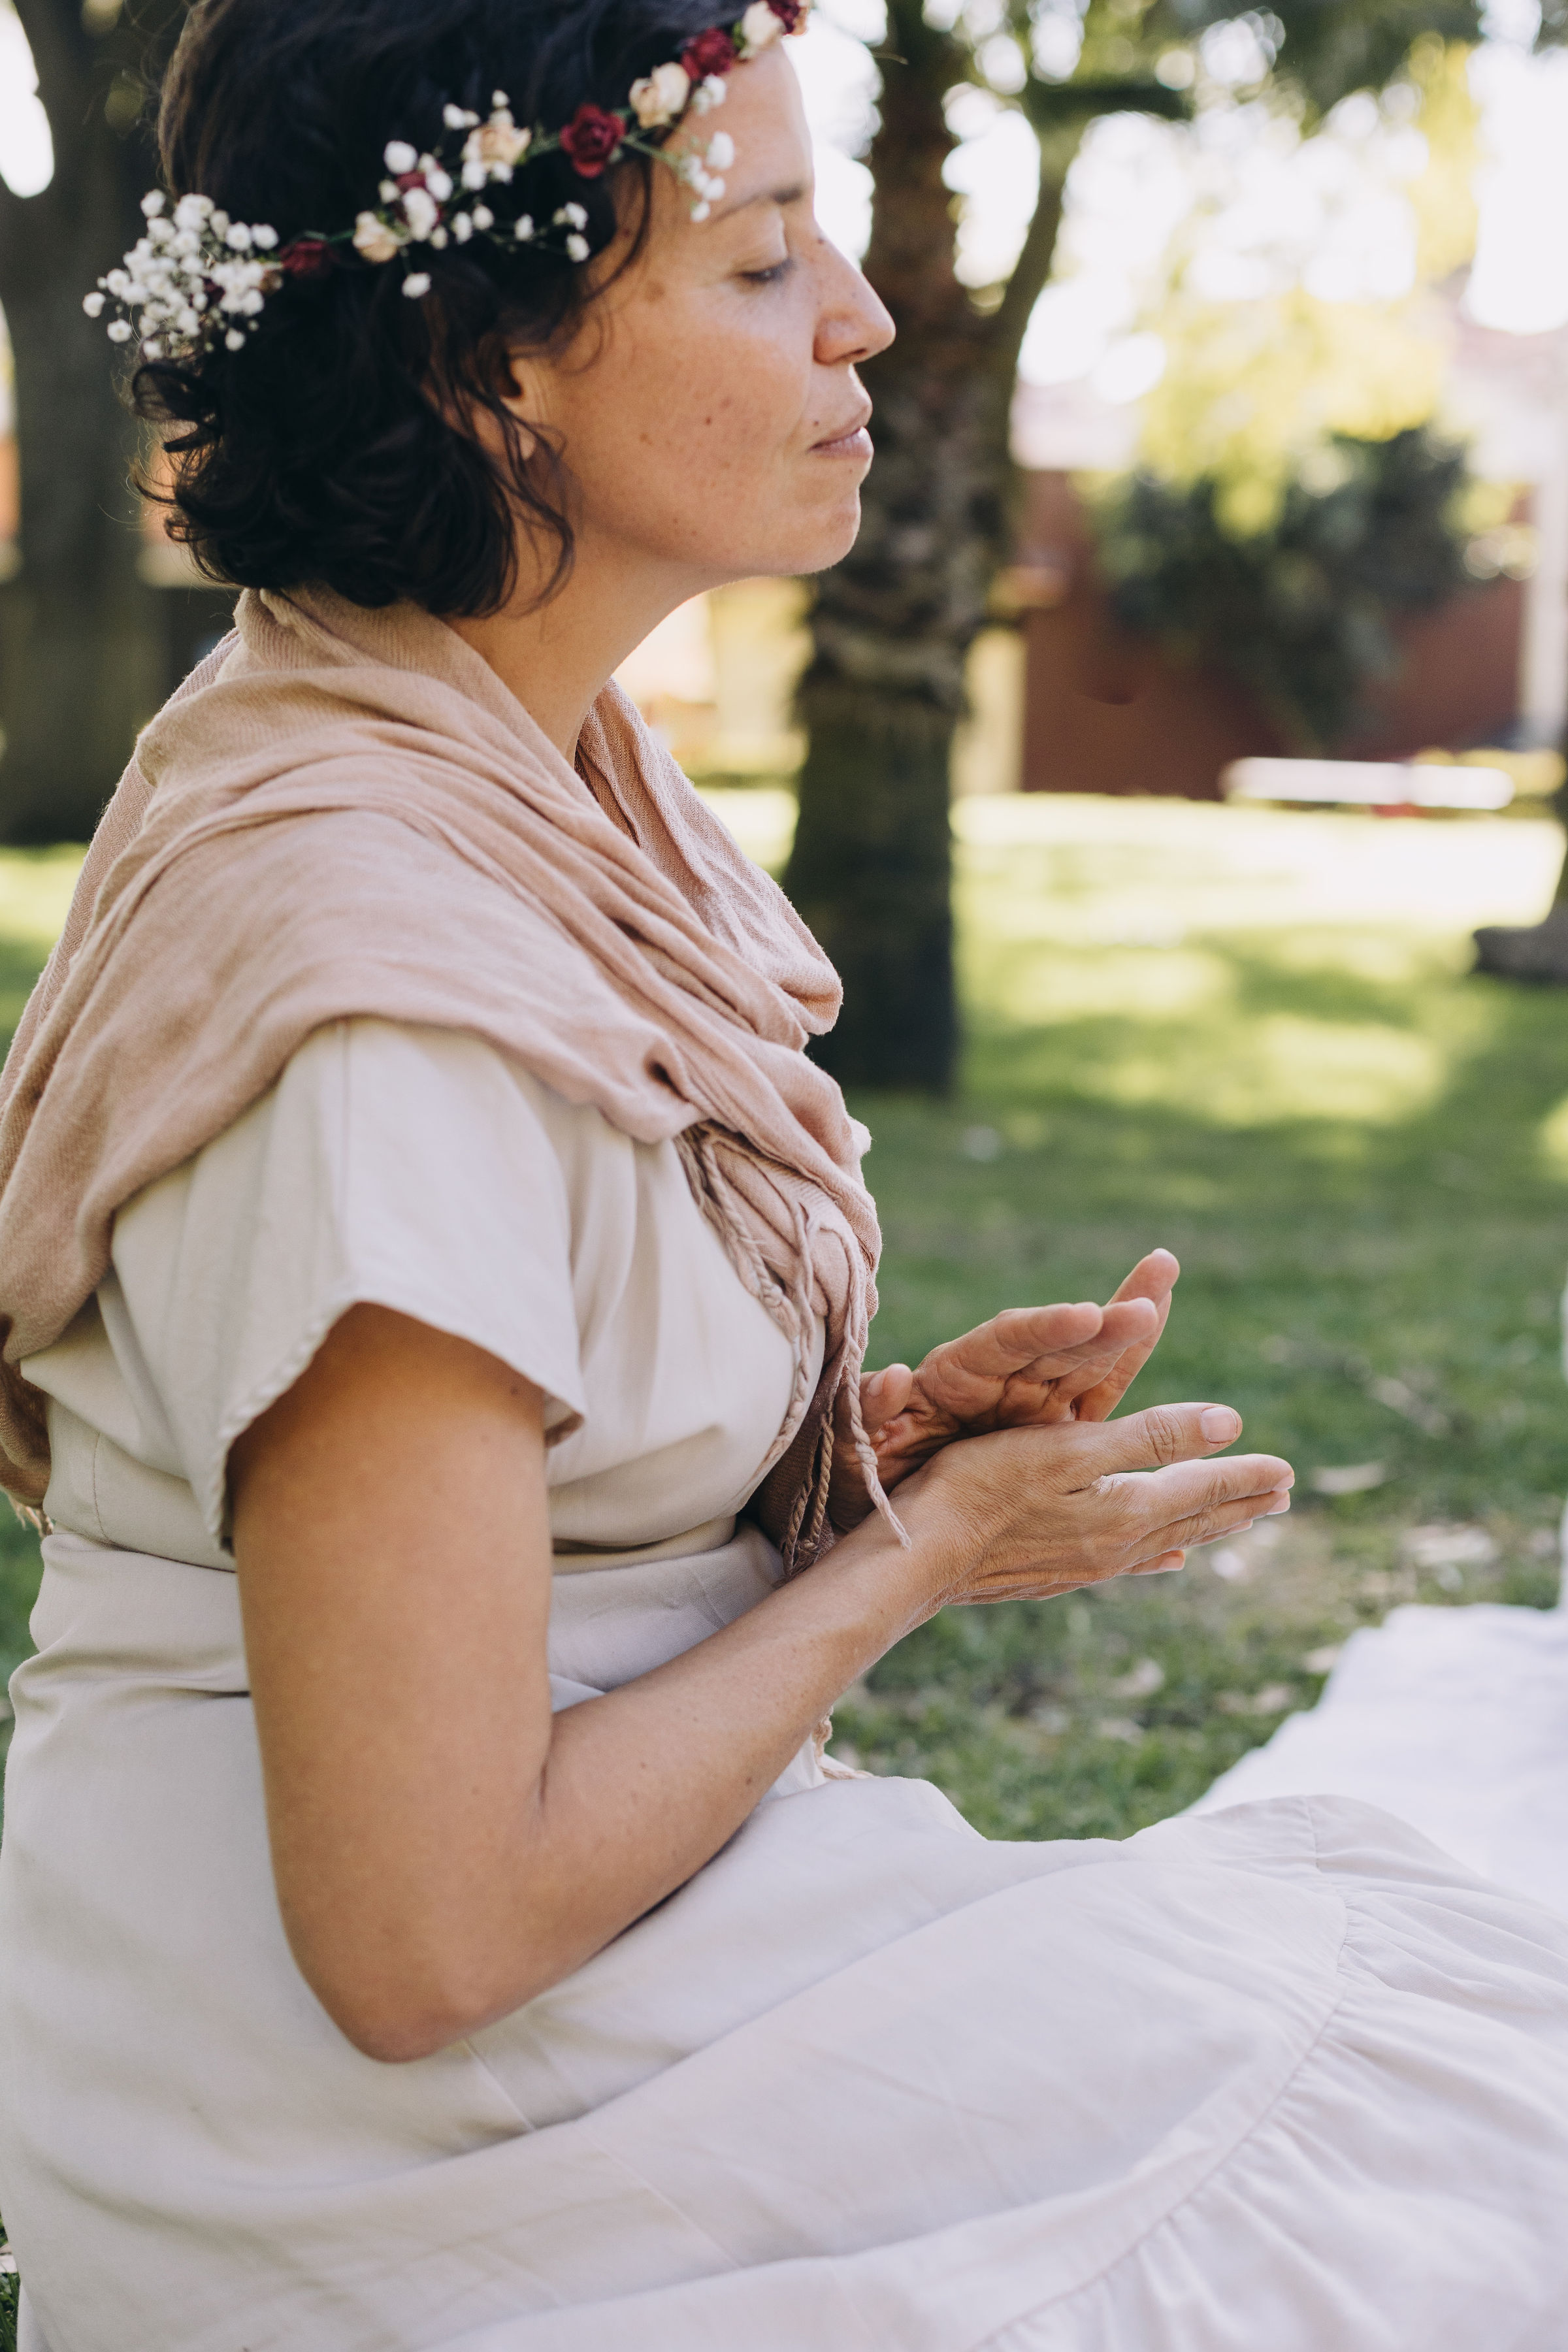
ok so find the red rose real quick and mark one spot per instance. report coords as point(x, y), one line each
point(307, 256)
point(709, 53)
point(592, 138)
point(792, 14)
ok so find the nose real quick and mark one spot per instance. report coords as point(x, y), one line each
point(852, 323)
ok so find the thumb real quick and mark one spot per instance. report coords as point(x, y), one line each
point(1155, 1438)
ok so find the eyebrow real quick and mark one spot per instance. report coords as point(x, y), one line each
point(794, 193)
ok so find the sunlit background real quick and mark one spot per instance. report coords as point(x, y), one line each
point(1250, 1031)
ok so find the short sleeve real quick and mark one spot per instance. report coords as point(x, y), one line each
point(390, 1166)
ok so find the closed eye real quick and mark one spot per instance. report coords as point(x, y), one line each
point(769, 277)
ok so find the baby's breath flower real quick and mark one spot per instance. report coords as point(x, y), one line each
point(93, 305)
point(416, 284)
point(400, 157)
point(153, 202)
point(576, 248)
point(120, 331)
point(233, 342)
point(722, 147)
point(524, 232)
point(482, 217)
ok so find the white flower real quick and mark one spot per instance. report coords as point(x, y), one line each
point(462, 228)
point(497, 142)
point(439, 240)
point(153, 202)
point(264, 237)
point(440, 184)
point(456, 118)
point(760, 28)
point(722, 147)
point(219, 224)
point(576, 248)
point(233, 340)
point(701, 212)
point(192, 211)
point(188, 322)
point(708, 93)
point(93, 305)
point(151, 349)
point(239, 238)
point(475, 175)
point(483, 216)
point(421, 211)
point(661, 96)
point(375, 239)
point(500, 102)
point(525, 229)
point(400, 157)
point(570, 217)
point(253, 304)
point(416, 284)
point(120, 331)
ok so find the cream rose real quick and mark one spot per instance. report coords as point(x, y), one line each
point(760, 27)
point(498, 141)
point(661, 96)
point(375, 239)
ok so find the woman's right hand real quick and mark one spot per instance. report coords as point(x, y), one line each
point(1023, 1513)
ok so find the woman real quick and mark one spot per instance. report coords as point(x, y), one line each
point(437, 1286)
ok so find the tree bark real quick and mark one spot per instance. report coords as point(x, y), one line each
point(83, 641)
point(892, 625)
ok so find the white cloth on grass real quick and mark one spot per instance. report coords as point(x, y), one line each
point(1284, 2076)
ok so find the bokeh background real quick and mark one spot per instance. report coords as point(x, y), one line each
point(1227, 422)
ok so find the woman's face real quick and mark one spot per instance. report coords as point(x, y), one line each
point(708, 411)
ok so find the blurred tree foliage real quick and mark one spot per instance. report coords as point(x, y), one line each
point(893, 624)
point(83, 649)
point(1302, 612)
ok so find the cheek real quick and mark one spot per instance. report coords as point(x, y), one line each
point(679, 421)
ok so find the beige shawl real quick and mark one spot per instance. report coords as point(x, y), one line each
point(345, 812)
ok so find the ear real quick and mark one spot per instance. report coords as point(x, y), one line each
point(519, 382)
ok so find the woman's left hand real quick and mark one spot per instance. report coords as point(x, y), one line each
point(1029, 1366)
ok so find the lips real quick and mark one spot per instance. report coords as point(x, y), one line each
point(854, 431)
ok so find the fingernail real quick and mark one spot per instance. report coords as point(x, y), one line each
point(1219, 1424)
point(1275, 1509)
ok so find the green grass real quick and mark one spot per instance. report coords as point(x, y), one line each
point(1251, 1037)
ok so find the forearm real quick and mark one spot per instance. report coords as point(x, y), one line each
point(644, 1786)
point(636, 1792)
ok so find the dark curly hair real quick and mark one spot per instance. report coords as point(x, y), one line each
point(326, 450)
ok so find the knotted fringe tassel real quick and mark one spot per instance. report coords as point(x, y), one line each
point(731, 1198)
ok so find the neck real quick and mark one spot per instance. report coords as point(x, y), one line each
point(558, 658)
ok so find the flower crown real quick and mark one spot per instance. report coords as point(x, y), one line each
point(197, 280)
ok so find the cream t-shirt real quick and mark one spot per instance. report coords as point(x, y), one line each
point(420, 1169)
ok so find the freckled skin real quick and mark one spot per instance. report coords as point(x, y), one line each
point(708, 411)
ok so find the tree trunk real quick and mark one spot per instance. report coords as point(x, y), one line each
point(83, 641)
point(892, 625)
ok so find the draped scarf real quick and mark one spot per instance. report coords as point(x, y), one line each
point(344, 814)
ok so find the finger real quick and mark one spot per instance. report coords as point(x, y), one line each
point(1153, 1278)
point(884, 1395)
point(996, 1350)
point(1165, 1565)
point(1208, 1525)
point(1153, 1439)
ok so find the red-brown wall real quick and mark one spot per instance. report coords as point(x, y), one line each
point(1106, 711)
